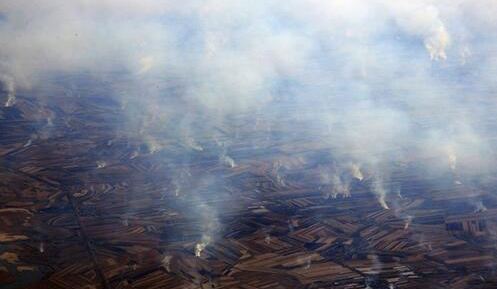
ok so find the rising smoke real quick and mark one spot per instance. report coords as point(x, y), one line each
point(379, 80)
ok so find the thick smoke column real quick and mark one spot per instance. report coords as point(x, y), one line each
point(356, 172)
point(423, 20)
point(10, 90)
point(380, 192)
point(210, 225)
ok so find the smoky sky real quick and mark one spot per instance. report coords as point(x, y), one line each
point(378, 80)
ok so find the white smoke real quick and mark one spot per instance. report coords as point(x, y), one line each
point(101, 164)
point(227, 160)
point(28, 143)
point(191, 143)
point(199, 247)
point(359, 74)
point(408, 221)
point(422, 19)
point(10, 89)
point(181, 180)
point(210, 225)
point(479, 206)
point(339, 187)
point(380, 192)
point(166, 262)
point(356, 172)
point(452, 158)
point(376, 264)
point(267, 239)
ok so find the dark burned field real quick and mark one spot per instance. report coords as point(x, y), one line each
point(88, 202)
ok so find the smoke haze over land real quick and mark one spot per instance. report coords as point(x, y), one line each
point(379, 81)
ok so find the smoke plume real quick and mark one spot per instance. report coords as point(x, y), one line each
point(376, 81)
